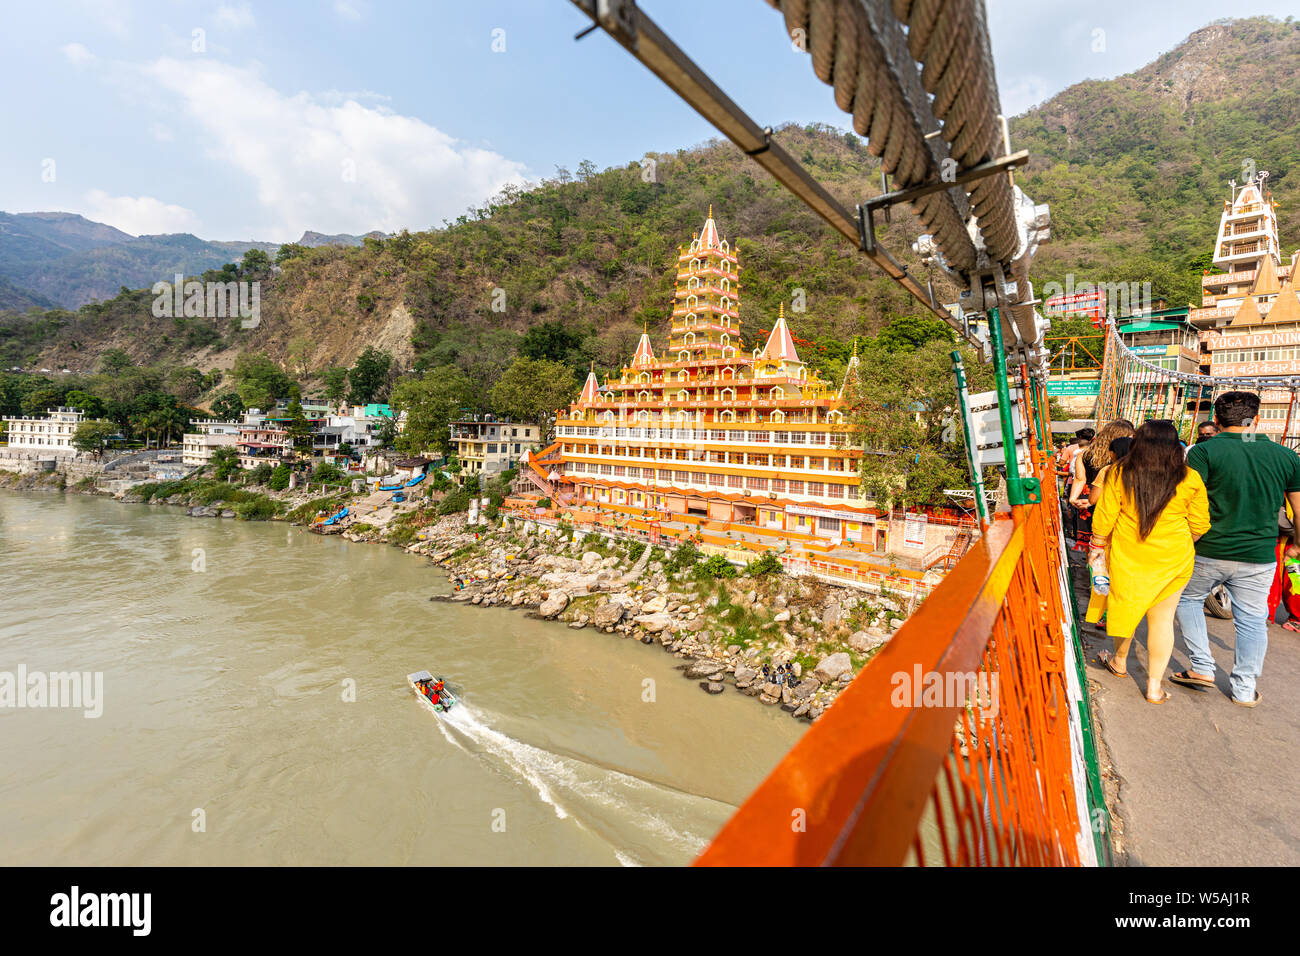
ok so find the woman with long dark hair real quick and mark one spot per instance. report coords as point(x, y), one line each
point(1088, 466)
point(1152, 509)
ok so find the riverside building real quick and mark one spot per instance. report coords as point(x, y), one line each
point(486, 446)
point(1249, 320)
point(744, 440)
point(52, 434)
point(197, 446)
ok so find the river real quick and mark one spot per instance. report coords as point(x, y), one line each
point(255, 709)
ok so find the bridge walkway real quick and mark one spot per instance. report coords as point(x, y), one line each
point(1201, 781)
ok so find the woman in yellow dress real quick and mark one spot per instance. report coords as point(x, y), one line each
point(1152, 509)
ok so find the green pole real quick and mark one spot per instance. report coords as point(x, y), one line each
point(1020, 491)
point(963, 402)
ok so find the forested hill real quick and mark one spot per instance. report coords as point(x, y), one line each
point(1135, 170)
point(591, 253)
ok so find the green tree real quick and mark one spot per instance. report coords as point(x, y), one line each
point(290, 250)
point(259, 380)
point(224, 463)
point(554, 340)
point(430, 402)
point(255, 264)
point(336, 383)
point(91, 405)
point(227, 406)
point(186, 383)
point(906, 333)
point(368, 377)
point(40, 400)
point(532, 389)
point(387, 433)
point(113, 361)
point(299, 428)
point(902, 412)
point(92, 436)
point(279, 478)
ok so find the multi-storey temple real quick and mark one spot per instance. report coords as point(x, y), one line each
point(714, 431)
point(1249, 322)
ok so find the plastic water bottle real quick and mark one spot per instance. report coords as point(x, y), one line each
point(1101, 584)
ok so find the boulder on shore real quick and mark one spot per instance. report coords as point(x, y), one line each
point(608, 614)
point(556, 601)
point(829, 669)
point(654, 623)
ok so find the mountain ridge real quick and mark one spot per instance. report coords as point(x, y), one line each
point(64, 259)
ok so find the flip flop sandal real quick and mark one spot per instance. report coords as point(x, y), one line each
point(1105, 657)
point(1188, 680)
point(1164, 696)
point(1247, 703)
point(1291, 625)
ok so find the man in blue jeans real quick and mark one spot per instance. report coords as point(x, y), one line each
point(1246, 476)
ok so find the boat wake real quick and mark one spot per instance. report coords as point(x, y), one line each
point(639, 819)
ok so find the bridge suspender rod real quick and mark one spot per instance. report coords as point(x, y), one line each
point(641, 37)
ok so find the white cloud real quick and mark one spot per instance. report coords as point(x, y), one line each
point(1025, 91)
point(236, 15)
point(328, 164)
point(77, 54)
point(138, 215)
point(347, 9)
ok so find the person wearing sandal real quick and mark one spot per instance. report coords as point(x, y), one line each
point(1248, 477)
point(1152, 508)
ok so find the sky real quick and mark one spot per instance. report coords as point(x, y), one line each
point(259, 119)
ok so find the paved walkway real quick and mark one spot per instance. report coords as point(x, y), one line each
point(1203, 782)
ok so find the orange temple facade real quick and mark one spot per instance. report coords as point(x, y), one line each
point(716, 433)
point(1249, 320)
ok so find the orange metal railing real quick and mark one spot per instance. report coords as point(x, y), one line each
point(965, 741)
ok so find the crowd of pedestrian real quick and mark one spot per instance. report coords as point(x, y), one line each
point(1165, 524)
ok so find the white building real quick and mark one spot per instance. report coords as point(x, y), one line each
point(359, 431)
point(489, 447)
point(51, 434)
point(198, 446)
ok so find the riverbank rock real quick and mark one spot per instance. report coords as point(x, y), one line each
point(829, 669)
point(607, 614)
point(556, 601)
point(805, 688)
point(654, 623)
point(712, 687)
point(863, 641)
point(709, 669)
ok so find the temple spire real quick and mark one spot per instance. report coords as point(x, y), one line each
point(644, 353)
point(709, 237)
point(851, 376)
point(780, 343)
point(590, 387)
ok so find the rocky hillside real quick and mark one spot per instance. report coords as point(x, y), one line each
point(1136, 169)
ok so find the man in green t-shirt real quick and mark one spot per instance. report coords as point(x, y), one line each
point(1246, 476)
